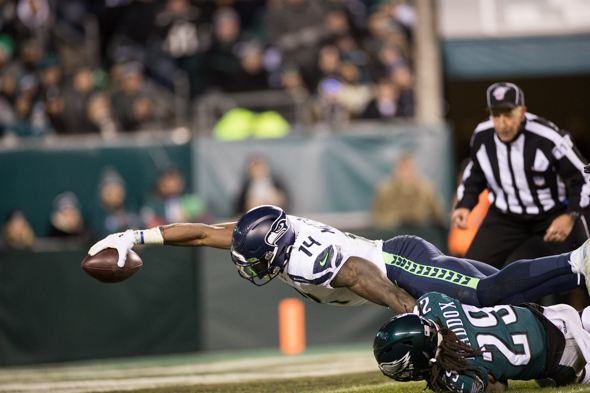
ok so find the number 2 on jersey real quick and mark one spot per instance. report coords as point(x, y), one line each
point(484, 318)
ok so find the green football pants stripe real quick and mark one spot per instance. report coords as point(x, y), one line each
point(437, 273)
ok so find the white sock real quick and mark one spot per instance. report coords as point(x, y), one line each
point(585, 317)
point(576, 262)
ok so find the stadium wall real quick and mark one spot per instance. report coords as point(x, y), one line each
point(328, 172)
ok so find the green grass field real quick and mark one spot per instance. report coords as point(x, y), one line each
point(320, 370)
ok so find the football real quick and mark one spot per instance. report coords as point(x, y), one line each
point(103, 266)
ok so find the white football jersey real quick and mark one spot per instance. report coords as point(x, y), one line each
point(318, 254)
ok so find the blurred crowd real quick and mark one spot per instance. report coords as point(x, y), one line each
point(83, 66)
point(166, 202)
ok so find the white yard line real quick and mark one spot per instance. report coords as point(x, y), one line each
point(365, 387)
point(77, 379)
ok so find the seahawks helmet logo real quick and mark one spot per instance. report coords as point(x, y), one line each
point(397, 366)
point(277, 230)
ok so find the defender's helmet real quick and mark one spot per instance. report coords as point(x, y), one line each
point(261, 243)
point(404, 347)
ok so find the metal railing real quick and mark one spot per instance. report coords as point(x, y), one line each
point(209, 108)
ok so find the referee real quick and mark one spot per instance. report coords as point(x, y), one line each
point(535, 177)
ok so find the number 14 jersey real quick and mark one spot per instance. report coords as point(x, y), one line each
point(317, 256)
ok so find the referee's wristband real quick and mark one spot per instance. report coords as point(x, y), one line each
point(150, 236)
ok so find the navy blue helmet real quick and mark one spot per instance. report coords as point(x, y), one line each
point(405, 347)
point(261, 243)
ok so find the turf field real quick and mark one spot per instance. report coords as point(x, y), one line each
point(322, 370)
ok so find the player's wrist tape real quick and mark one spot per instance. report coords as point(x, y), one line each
point(150, 236)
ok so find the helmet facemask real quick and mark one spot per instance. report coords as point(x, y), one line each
point(259, 271)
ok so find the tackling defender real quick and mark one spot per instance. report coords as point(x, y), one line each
point(462, 348)
point(333, 267)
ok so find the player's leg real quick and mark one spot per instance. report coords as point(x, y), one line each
point(529, 280)
point(577, 344)
point(580, 261)
point(418, 267)
point(585, 320)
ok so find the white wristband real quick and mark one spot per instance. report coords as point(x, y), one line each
point(150, 236)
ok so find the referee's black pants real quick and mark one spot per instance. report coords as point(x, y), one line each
point(501, 235)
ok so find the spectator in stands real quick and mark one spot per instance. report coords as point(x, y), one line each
point(28, 118)
point(252, 75)
point(405, 199)
point(328, 62)
point(9, 70)
point(355, 13)
point(350, 51)
point(31, 53)
point(389, 60)
point(261, 187)
point(221, 62)
point(66, 219)
point(50, 74)
point(356, 91)
point(50, 92)
point(76, 97)
point(16, 232)
point(384, 104)
point(169, 202)
point(292, 81)
point(134, 108)
point(100, 113)
point(178, 27)
point(336, 25)
point(404, 80)
point(112, 213)
point(296, 28)
point(382, 45)
point(54, 109)
point(397, 39)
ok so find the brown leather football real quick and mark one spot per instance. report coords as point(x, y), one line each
point(103, 266)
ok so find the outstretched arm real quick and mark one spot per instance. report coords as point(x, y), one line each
point(366, 280)
point(190, 235)
point(199, 235)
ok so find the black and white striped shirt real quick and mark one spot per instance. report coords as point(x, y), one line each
point(540, 170)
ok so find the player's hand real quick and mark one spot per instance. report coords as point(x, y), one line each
point(122, 241)
point(459, 218)
point(559, 229)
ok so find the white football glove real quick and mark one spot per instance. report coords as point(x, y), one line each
point(122, 241)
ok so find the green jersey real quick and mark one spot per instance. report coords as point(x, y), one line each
point(513, 334)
